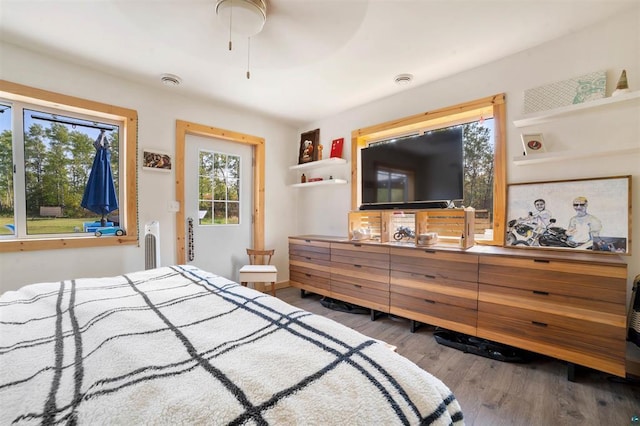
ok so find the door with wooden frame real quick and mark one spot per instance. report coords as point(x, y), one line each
point(220, 249)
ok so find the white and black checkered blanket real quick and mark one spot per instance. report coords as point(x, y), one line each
point(179, 345)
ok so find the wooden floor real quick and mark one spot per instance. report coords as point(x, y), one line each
point(493, 392)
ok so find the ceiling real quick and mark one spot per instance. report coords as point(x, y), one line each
point(313, 59)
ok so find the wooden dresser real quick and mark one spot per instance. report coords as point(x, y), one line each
point(570, 306)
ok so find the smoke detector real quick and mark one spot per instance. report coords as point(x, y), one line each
point(403, 79)
point(170, 80)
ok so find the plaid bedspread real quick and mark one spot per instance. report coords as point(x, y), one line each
point(179, 345)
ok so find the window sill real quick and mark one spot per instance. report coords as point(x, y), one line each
point(7, 246)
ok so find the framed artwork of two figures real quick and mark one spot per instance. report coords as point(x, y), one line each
point(591, 215)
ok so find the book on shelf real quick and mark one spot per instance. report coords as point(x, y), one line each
point(336, 148)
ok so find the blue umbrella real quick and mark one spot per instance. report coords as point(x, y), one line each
point(100, 193)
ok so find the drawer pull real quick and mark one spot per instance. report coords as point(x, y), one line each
point(358, 266)
point(307, 241)
point(541, 260)
point(432, 277)
point(544, 293)
point(357, 245)
point(430, 301)
point(308, 275)
point(430, 251)
point(357, 286)
point(539, 324)
point(307, 257)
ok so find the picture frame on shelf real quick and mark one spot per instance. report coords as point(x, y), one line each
point(587, 215)
point(156, 160)
point(308, 150)
point(533, 143)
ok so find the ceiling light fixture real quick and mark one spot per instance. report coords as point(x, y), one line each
point(403, 79)
point(170, 80)
point(244, 17)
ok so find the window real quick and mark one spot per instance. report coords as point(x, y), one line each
point(48, 143)
point(219, 193)
point(393, 185)
point(483, 124)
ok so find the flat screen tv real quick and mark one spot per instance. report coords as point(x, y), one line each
point(424, 171)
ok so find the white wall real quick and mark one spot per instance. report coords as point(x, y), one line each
point(158, 109)
point(612, 46)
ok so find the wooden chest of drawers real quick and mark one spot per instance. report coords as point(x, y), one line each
point(565, 309)
point(360, 274)
point(570, 306)
point(309, 265)
point(435, 287)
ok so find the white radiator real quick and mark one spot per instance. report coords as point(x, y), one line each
point(152, 245)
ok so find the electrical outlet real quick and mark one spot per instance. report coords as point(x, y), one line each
point(174, 206)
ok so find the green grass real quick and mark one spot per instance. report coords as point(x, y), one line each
point(45, 225)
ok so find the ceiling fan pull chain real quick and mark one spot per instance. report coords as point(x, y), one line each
point(248, 57)
point(230, 22)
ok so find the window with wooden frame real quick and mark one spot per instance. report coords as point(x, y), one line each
point(49, 143)
point(474, 117)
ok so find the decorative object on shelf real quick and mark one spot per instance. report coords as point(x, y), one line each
point(315, 179)
point(584, 88)
point(533, 143)
point(320, 147)
point(303, 179)
point(403, 232)
point(580, 215)
point(336, 148)
point(309, 146)
point(156, 160)
point(428, 239)
point(360, 234)
point(622, 86)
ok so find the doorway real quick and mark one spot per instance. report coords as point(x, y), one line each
point(189, 136)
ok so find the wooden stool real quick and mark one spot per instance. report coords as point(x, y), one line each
point(259, 274)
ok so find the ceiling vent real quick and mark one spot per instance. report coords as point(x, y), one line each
point(170, 80)
point(403, 79)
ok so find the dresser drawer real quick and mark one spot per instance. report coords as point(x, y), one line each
point(360, 255)
point(589, 320)
point(572, 343)
point(603, 282)
point(430, 311)
point(309, 243)
point(435, 265)
point(457, 293)
point(370, 294)
point(299, 249)
point(347, 272)
point(308, 279)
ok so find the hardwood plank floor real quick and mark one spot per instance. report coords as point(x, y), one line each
point(493, 392)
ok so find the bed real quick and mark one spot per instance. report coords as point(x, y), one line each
point(180, 345)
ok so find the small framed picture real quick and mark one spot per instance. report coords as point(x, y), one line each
point(155, 160)
point(309, 146)
point(533, 143)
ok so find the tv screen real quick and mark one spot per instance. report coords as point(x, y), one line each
point(422, 171)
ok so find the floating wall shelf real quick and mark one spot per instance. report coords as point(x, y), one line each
point(547, 157)
point(320, 182)
point(544, 116)
point(320, 163)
